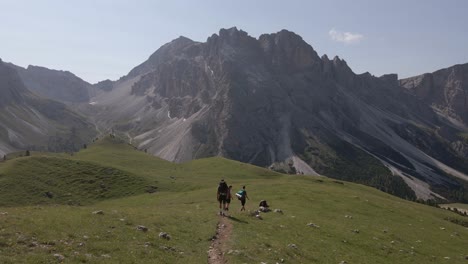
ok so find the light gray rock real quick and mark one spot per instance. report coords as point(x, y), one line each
point(59, 257)
point(164, 235)
point(292, 246)
point(142, 228)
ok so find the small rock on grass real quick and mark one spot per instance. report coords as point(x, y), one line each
point(292, 246)
point(164, 235)
point(142, 228)
point(98, 212)
point(278, 211)
point(233, 252)
point(59, 257)
point(313, 225)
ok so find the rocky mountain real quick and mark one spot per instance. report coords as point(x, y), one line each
point(62, 86)
point(445, 90)
point(273, 102)
point(28, 121)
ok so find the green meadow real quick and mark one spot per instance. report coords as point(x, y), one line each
point(49, 207)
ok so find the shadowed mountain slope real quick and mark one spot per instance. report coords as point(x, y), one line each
point(28, 121)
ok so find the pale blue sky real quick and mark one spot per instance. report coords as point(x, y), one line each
point(100, 39)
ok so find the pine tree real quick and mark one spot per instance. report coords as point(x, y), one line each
point(28, 153)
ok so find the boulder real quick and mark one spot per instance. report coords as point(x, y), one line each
point(292, 246)
point(164, 235)
point(59, 257)
point(142, 228)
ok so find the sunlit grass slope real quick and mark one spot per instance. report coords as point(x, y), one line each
point(378, 228)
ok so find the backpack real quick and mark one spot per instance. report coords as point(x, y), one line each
point(223, 188)
point(240, 194)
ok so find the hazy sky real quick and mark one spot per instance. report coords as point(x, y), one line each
point(101, 39)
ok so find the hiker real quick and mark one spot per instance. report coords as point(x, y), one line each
point(229, 196)
point(242, 195)
point(221, 196)
point(263, 203)
point(263, 206)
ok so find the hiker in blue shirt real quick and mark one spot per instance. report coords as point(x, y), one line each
point(242, 195)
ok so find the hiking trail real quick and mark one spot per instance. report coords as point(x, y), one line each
point(219, 245)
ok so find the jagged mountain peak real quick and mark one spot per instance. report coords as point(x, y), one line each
point(229, 40)
point(232, 32)
point(286, 38)
point(168, 50)
point(289, 52)
point(272, 101)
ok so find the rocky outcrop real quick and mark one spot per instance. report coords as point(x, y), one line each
point(28, 121)
point(62, 86)
point(105, 85)
point(274, 102)
point(446, 90)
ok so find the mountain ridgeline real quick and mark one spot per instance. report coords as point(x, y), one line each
point(30, 122)
point(273, 102)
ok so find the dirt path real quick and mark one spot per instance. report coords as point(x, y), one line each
point(218, 247)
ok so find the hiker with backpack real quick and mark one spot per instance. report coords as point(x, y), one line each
point(242, 195)
point(229, 196)
point(221, 196)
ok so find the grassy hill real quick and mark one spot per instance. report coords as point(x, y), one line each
point(356, 224)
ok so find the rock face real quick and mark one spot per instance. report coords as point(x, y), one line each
point(446, 90)
point(62, 86)
point(28, 121)
point(11, 87)
point(274, 102)
point(270, 101)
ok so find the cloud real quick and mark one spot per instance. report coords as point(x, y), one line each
point(345, 37)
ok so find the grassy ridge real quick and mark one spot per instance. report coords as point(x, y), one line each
point(391, 230)
point(54, 180)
